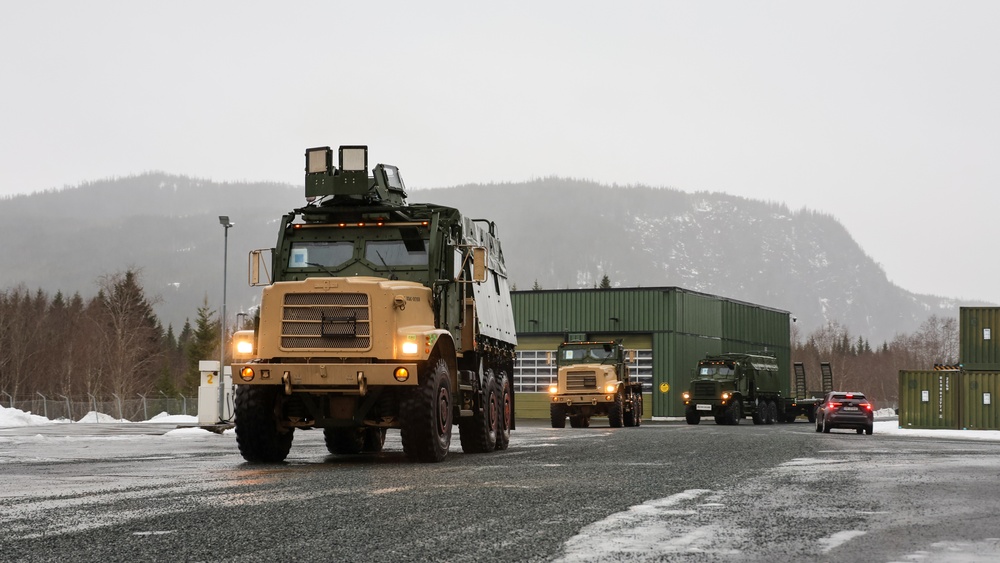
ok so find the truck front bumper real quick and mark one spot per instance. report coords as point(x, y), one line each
point(583, 399)
point(326, 377)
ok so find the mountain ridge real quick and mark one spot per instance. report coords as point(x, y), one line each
point(558, 232)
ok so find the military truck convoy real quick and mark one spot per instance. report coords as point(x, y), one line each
point(729, 387)
point(593, 379)
point(376, 314)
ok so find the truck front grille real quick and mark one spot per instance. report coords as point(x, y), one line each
point(704, 389)
point(326, 320)
point(581, 381)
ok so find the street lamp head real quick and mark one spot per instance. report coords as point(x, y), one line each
point(224, 221)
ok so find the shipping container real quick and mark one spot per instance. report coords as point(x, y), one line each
point(979, 343)
point(979, 395)
point(929, 399)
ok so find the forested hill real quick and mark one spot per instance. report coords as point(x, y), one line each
point(569, 233)
point(559, 232)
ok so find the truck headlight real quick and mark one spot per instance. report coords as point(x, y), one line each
point(610, 388)
point(725, 396)
point(410, 347)
point(553, 389)
point(243, 343)
point(686, 396)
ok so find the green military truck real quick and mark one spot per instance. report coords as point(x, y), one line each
point(729, 387)
point(380, 314)
point(594, 380)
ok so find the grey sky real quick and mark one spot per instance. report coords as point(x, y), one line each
point(883, 114)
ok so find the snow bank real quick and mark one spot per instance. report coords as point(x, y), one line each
point(17, 417)
point(10, 418)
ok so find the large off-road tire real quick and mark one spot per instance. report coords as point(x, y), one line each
point(557, 412)
point(692, 416)
point(426, 414)
point(638, 412)
point(577, 421)
point(478, 433)
point(615, 411)
point(772, 412)
point(344, 441)
point(506, 395)
point(374, 440)
point(721, 419)
point(734, 414)
point(258, 435)
point(630, 418)
point(759, 415)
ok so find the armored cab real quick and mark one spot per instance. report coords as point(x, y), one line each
point(376, 314)
point(593, 380)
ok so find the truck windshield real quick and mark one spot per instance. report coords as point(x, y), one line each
point(578, 354)
point(327, 254)
point(716, 371)
point(396, 252)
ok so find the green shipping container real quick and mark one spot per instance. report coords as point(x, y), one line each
point(979, 341)
point(979, 395)
point(929, 399)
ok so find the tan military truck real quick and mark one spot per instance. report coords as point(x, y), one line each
point(380, 314)
point(594, 380)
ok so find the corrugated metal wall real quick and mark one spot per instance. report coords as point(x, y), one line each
point(979, 341)
point(685, 326)
point(979, 395)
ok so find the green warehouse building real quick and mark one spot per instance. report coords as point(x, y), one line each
point(668, 329)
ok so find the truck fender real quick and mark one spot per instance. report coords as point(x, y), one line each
point(444, 348)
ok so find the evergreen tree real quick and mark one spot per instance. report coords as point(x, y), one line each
point(203, 345)
point(605, 282)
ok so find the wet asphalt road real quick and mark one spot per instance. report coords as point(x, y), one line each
point(663, 492)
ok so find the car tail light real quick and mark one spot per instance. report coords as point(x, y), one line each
point(866, 406)
point(832, 405)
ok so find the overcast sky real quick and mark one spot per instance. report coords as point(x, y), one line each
point(885, 115)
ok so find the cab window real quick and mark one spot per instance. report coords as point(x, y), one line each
point(396, 252)
point(326, 254)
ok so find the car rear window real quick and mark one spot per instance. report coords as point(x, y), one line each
point(848, 396)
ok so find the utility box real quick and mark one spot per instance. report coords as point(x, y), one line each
point(208, 394)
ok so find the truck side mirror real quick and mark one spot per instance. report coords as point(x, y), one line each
point(479, 263)
point(257, 264)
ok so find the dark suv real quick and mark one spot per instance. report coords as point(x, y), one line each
point(841, 409)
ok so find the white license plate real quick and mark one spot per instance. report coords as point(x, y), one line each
point(703, 407)
point(850, 408)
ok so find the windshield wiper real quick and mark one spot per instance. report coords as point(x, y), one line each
point(392, 275)
point(321, 267)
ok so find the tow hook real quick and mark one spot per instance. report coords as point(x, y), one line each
point(286, 378)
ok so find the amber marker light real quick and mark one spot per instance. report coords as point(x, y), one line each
point(401, 374)
point(246, 374)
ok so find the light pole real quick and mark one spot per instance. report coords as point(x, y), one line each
point(226, 223)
